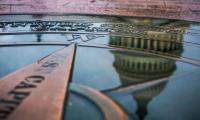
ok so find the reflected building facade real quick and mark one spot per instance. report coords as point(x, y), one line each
point(135, 68)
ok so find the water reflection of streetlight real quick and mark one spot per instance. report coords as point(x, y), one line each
point(134, 68)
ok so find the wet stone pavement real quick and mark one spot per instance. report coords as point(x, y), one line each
point(173, 9)
point(150, 68)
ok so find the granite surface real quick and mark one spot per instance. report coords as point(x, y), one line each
point(172, 9)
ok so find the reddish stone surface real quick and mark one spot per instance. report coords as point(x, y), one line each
point(174, 9)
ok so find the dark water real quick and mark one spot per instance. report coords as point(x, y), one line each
point(153, 74)
point(112, 70)
point(13, 58)
point(99, 70)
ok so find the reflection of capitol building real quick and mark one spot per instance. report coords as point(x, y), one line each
point(145, 96)
point(158, 41)
point(135, 68)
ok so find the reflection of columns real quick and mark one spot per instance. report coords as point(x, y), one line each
point(149, 41)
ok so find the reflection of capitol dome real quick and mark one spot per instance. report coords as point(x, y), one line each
point(135, 68)
point(145, 96)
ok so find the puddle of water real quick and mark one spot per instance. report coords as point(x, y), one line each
point(115, 73)
point(152, 71)
point(13, 58)
point(33, 38)
point(104, 69)
point(85, 109)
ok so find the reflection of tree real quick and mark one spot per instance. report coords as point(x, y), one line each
point(134, 68)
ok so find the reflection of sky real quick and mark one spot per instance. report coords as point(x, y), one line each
point(184, 67)
point(31, 38)
point(127, 101)
point(85, 109)
point(93, 67)
point(193, 28)
point(192, 51)
point(178, 101)
point(13, 58)
point(14, 38)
